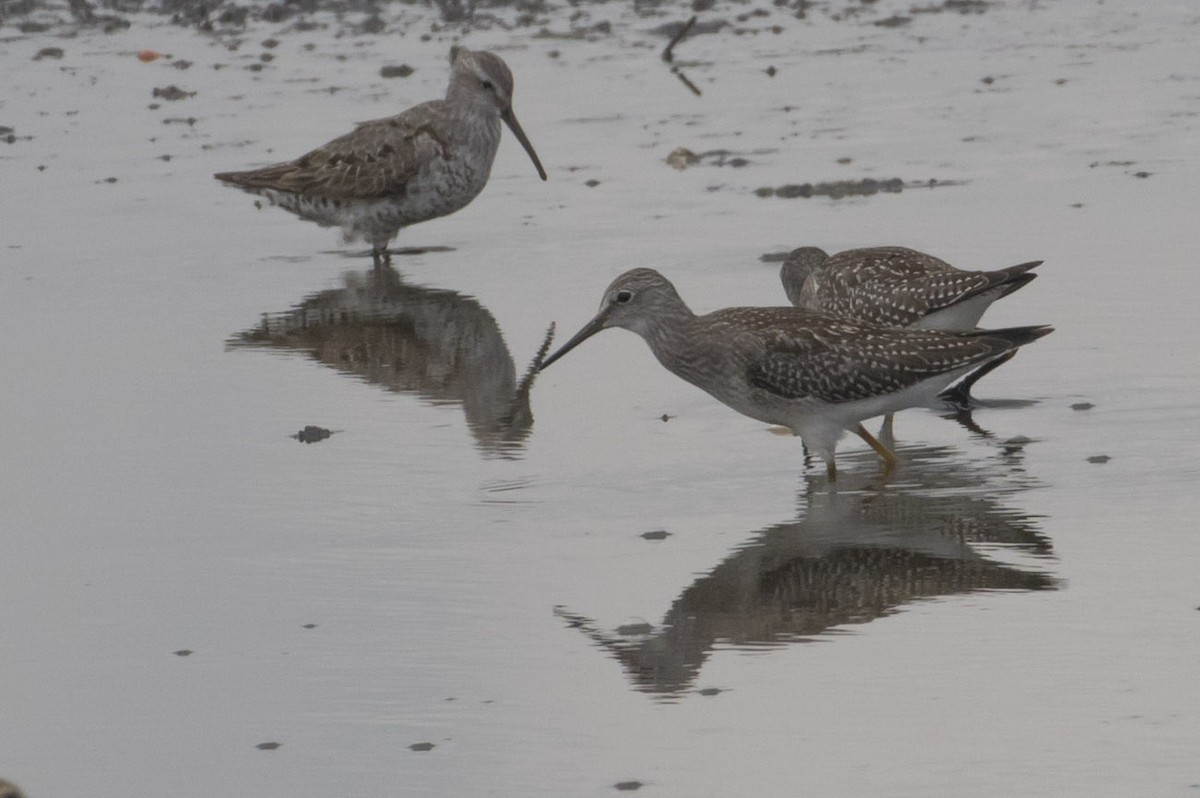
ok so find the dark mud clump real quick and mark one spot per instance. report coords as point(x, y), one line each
point(312, 434)
point(840, 189)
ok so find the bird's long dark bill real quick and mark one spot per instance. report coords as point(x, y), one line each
point(591, 328)
point(510, 119)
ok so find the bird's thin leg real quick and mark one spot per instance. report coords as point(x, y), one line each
point(887, 434)
point(888, 456)
point(959, 394)
point(831, 470)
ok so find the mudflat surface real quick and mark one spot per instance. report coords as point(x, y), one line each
point(273, 525)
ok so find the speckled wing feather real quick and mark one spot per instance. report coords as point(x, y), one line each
point(375, 160)
point(836, 361)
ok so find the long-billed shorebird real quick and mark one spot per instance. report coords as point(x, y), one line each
point(816, 374)
point(426, 162)
point(901, 287)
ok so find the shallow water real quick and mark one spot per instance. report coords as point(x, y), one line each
point(467, 565)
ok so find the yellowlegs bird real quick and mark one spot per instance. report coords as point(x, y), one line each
point(816, 374)
point(901, 287)
point(426, 162)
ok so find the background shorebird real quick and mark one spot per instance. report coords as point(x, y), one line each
point(426, 162)
point(901, 287)
point(813, 373)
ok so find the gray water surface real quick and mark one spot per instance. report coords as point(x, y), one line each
point(549, 589)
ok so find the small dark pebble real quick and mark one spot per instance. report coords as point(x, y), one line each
point(270, 44)
point(591, 183)
point(183, 652)
point(172, 93)
point(657, 534)
point(267, 746)
point(988, 81)
point(401, 71)
point(771, 71)
point(1099, 459)
point(896, 21)
point(1142, 174)
point(627, 786)
point(311, 434)
point(665, 417)
point(708, 691)
point(309, 626)
point(1082, 406)
point(107, 180)
point(421, 747)
point(266, 58)
point(48, 52)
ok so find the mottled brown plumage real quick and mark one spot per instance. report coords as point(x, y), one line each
point(813, 373)
point(386, 174)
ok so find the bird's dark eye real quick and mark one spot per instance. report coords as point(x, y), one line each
point(624, 296)
point(487, 84)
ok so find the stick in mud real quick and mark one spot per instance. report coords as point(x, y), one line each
point(667, 55)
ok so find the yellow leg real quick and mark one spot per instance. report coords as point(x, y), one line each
point(889, 458)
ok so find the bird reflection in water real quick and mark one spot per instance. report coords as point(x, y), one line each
point(851, 557)
point(440, 345)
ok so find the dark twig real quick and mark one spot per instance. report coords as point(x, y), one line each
point(686, 82)
point(667, 55)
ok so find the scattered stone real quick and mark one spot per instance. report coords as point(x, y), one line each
point(657, 534)
point(1099, 459)
point(895, 21)
point(146, 56)
point(627, 786)
point(312, 434)
point(421, 747)
point(771, 71)
point(48, 52)
point(183, 652)
point(1142, 174)
point(592, 183)
point(267, 746)
point(1082, 406)
point(401, 71)
point(710, 691)
point(681, 158)
point(270, 44)
point(665, 417)
point(172, 93)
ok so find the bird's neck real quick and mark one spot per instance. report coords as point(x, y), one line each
point(671, 333)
